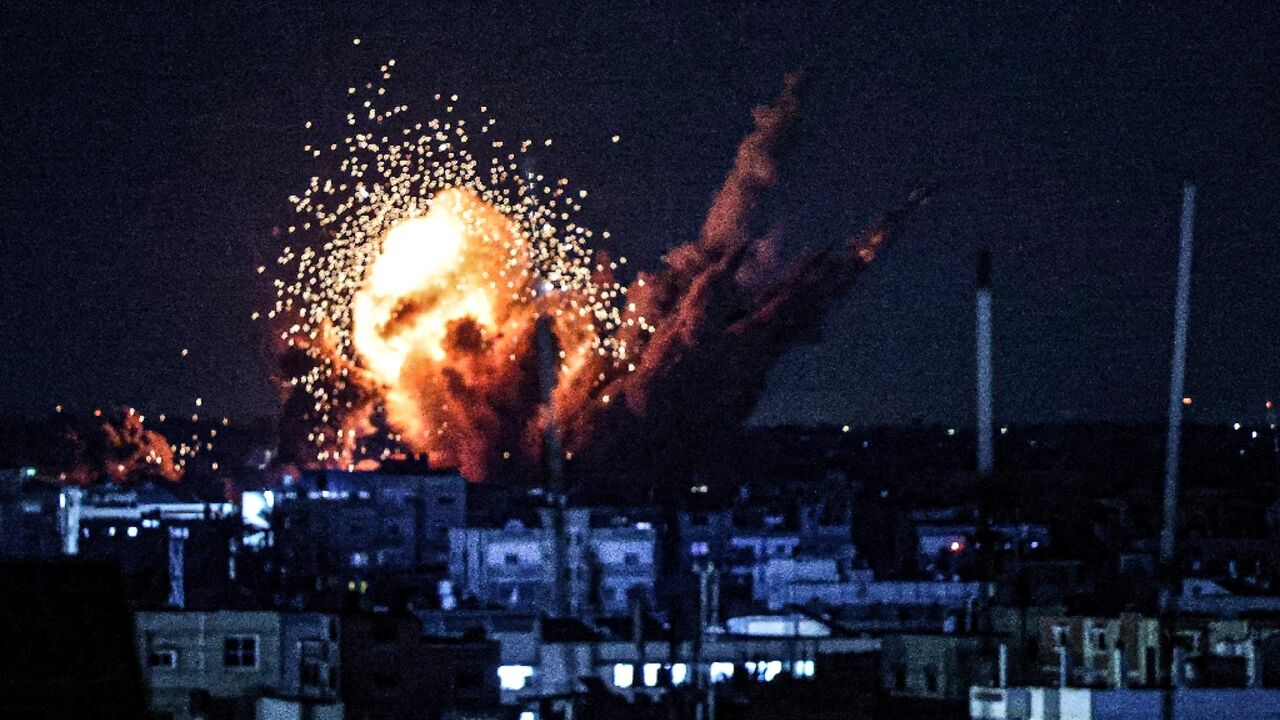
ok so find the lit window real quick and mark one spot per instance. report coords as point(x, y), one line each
point(132, 531)
point(699, 549)
point(514, 677)
point(359, 559)
point(240, 651)
point(651, 674)
point(721, 671)
point(623, 675)
point(679, 673)
point(771, 669)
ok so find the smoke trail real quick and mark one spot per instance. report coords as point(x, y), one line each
point(721, 329)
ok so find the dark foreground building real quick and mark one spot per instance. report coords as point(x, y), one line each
point(68, 643)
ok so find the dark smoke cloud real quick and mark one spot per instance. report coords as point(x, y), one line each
point(722, 326)
point(116, 447)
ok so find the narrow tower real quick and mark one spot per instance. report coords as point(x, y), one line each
point(986, 448)
point(1178, 374)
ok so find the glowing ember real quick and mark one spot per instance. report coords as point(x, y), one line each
point(414, 312)
point(410, 321)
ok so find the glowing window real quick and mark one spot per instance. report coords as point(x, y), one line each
point(651, 674)
point(623, 675)
point(514, 677)
point(721, 671)
point(679, 674)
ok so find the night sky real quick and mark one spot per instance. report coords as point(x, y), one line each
point(149, 153)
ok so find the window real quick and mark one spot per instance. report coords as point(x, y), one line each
point(312, 674)
point(899, 677)
point(631, 559)
point(240, 651)
point(514, 677)
point(162, 659)
point(444, 500)
point(623, 675)
point(511, 559)
point(699, 549)
point(930, 679)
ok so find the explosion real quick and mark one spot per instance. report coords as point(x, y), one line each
point(116, 447)
point(415, 320)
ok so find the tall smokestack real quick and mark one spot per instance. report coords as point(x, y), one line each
point(1182, 312)
point(986, 449)
point(548, 371)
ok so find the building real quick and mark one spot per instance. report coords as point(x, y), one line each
point(392, 671)
point(542, 658)
point(936, 666)
point(173, 549)
point(223, 662)
point(68, 642)
point(612, 564)
point(334, 531)
point(30, 521)
point(1050, 703)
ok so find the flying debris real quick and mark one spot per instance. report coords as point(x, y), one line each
point(409, 321)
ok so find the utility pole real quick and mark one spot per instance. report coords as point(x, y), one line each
point(1178, 373)
point(986, 447)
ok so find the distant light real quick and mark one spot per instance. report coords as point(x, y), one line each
point(514, 677)
point(132, 531)
point(29, 472)
point(623, 675)
point(679, 673)
point(1004, 431)
point(1270, 404)
point(956, 546)
point(1035, 544)
point(355, 41)
point(1235, 426)
point(651, 674)
point(1186, 401)
point(1254, 434)
point(951, 431)
point(844, 428)
point(721, 671)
